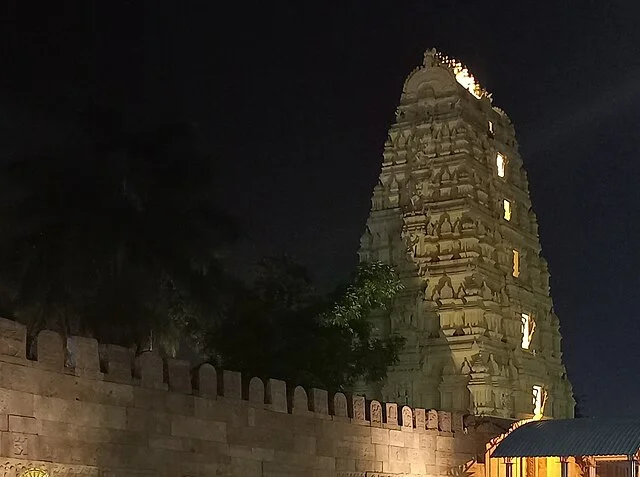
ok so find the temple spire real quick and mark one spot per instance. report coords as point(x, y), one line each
point(452, 213)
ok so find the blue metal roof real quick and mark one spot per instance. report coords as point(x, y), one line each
point(572, 437)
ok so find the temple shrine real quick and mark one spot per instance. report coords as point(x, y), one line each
point(451, 212)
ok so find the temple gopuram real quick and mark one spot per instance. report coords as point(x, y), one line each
point(451, 212)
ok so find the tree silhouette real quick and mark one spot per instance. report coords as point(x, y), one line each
point(115, 235)
point(281, 329)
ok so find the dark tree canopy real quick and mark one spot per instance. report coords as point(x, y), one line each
point(115, 235)
point(281, 329)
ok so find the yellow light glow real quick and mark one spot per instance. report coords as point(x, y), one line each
point(491, 132)
point(528, 327)
point(500, 164)
point(467, 81)
point(506, 205)
point(516, 264)
point(35, 473)
point(537, 416)
point(461, 73)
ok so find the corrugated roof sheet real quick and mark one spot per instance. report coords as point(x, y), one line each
point(572, 437)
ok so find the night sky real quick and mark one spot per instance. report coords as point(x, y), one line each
point(295, 101)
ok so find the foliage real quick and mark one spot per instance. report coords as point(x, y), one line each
point(115, 235)
point(280, 328)
point(373, 287)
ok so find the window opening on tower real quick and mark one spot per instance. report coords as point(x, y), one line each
point(537, 395)
point(500, 164)
point(506, 206)
point(527, 328)
point(490, 130)
point(516, 264)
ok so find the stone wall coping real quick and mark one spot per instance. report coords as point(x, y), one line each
point(86, 358)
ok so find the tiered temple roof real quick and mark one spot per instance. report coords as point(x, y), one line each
point(452, 213)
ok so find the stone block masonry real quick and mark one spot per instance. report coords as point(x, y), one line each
point(106, 413)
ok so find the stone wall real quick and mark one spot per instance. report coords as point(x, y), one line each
point(80, 408)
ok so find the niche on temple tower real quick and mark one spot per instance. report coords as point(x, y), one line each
point(451, 211)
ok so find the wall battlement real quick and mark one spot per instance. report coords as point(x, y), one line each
point(83, 408)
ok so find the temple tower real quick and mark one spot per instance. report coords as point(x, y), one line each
point(452, 213)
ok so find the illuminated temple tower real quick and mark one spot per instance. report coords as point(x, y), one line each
point(452, 213)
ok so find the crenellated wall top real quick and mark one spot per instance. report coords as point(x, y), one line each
point(86, 358)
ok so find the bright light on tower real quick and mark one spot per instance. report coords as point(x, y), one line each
point(506, 205)
point(527, 330)
point(538, 399)
point(466, 80)
point(500, 164)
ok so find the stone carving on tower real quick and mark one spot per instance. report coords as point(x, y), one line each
point(452, 213)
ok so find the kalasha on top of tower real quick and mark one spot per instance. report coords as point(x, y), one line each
point(461, 73)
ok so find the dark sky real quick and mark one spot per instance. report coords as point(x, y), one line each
point(295, 98)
